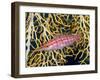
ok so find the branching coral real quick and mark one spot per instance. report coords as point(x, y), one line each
point(41, 27)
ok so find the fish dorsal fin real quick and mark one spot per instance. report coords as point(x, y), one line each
point(60, 35)
point(57, 35)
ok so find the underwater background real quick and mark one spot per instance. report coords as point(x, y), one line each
point(42, 27)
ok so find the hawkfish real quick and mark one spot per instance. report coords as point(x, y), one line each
point(59, 42)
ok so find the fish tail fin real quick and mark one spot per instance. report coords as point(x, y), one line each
point(81, 35)
point(78, 37)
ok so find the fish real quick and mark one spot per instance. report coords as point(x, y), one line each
point(59, 42)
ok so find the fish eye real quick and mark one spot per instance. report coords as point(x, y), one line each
point(45, 46)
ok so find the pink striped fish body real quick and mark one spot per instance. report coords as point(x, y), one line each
point(60, 42)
